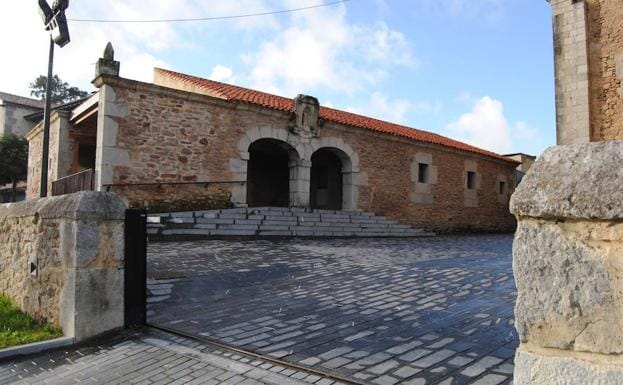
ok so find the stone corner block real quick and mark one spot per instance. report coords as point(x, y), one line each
point(80, 205)
point(577, 181)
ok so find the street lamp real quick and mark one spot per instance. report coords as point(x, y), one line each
point(56, 23)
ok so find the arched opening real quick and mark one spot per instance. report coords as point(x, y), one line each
point(326, 187)
point(268, 173)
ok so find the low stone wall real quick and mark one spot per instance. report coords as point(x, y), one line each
point(75, 242)
point(568, 265)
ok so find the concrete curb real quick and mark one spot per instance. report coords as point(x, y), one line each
point(35, 347)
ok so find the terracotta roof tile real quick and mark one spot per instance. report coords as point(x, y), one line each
point(241, 94)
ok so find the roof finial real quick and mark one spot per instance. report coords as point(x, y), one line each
point(109, 52)
point(107, 65)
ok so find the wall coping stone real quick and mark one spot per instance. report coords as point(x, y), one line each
point(80, 205)
point(577, 181)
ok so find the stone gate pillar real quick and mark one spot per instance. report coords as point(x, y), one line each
point(568, 266)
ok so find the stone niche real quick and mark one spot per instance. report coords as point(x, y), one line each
point(568, 266)
point(304, 120)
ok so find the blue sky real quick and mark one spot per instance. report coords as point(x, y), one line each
point(480, 71)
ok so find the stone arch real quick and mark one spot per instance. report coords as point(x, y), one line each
point(350, 173)
point(239, 167)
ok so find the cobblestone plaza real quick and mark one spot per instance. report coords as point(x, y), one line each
point(380, 311)
point(373, 311)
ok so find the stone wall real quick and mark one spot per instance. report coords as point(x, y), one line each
point(35, 148)
point(605, 31)
point(572, 79)
point(588, 52)
point(568, 266)
point(76, 242)
point(154, 133)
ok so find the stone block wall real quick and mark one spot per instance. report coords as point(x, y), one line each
point(588, 52)
point(154, 133)
point(572, 73)
point(76, 243)
point(605, 38)
point(59, 156)
point(568, 266)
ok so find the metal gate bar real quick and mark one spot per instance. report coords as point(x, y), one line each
point(135, 273)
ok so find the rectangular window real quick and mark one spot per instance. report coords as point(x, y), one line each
point(422, 173)
point(471, 180)
point(502, 188)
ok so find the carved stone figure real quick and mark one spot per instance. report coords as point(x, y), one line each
point(304, 120)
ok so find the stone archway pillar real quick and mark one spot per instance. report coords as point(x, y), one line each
point(350, 190)
point(300, 176)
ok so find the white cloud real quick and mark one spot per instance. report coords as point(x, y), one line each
point(485, 126)
point(319, 48)
point(393, 111)
point(380, 107)
point(221, 73)
point(138, 46)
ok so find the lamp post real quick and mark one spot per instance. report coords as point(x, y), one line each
point(56, 23)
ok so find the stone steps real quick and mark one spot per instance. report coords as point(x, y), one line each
point(274, 222)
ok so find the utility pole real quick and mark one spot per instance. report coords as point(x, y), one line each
point(56, 23)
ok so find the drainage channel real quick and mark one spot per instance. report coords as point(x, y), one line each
point(262, 357)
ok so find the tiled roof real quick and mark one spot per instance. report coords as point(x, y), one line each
point(241, 94)
point(15, 99)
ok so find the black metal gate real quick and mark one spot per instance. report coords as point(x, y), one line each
point(135, 291)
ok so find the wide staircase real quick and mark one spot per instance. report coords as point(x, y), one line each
point(274, 222)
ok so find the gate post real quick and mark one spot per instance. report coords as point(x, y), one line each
point(135, 274)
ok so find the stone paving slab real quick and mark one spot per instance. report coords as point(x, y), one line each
point(377, 311)
point(150, 356)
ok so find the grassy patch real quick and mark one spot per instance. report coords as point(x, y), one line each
point(16, 328)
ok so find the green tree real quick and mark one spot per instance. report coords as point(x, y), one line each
point(13, 160)
point(61, 91)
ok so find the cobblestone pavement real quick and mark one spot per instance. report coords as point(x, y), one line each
point(149, 356)
point(377, 311)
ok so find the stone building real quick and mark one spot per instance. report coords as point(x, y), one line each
point(189, 143)
point(568, 254)
point(14, 113)
point(526, 161)
point(17, 116)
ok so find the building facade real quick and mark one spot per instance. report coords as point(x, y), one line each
point(189, 143)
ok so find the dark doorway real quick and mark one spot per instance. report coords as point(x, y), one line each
point(268, 175)
point(326, 181)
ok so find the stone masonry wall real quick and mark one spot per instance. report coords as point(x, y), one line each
point(572, 74)
point(605, 32)
point(568, 267)
point(76, 242)
point(35, 146)
point(59, 151)
point(174, 136)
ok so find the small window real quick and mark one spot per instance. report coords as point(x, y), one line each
point(501, 188)
point(422, 173)
point(471, 180)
